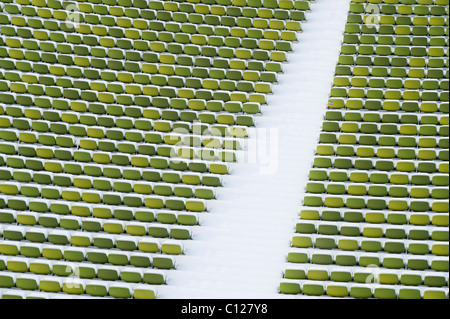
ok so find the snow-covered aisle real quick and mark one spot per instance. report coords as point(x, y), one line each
point(240, 248)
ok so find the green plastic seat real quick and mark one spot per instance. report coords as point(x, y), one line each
point(289, 288)
point(360, 292)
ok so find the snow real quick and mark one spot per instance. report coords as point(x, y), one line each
point(239, 250)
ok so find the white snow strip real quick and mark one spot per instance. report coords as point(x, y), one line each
point(240, 249)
